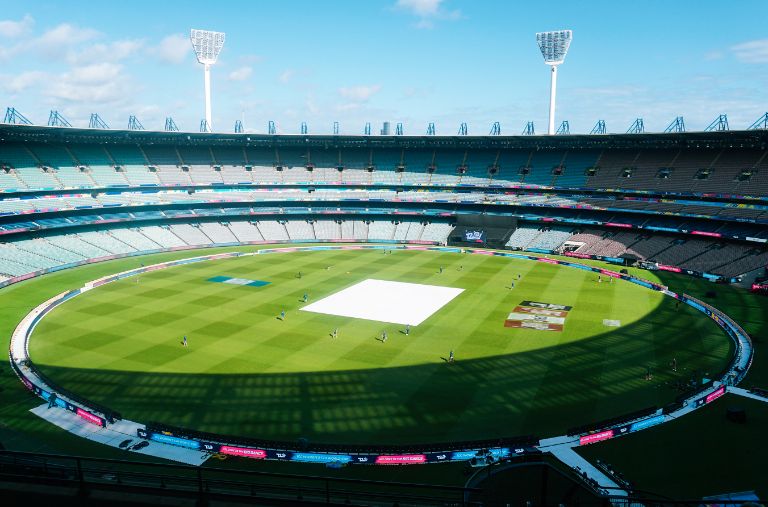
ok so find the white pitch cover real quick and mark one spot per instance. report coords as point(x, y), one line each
point(385, 301)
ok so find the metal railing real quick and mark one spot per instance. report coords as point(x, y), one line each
point(85, 473)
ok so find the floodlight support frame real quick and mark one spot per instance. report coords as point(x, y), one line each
point(719, 124)
point(599, 127)
point(207, 74)
point(170, 125)
point(56, 120)
point(96, 122)
point(552, 98)
point(14, 117)
point(760, 124)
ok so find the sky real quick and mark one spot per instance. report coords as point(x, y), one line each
point(403, 61)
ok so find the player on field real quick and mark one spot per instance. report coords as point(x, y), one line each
point(450, 356)
point(184, 341)
point(407, 329)
point(335, 333)
point(306, 297)
point(282, 315)
point(384, 337)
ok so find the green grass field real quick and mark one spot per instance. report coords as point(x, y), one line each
point(247, 373)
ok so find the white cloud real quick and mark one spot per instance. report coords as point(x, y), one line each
point(755, 51)
point(349, 106)
point(359, 93)
point(112, 52)
point(241, 74)
point(174, 48)
point(23, 81)
point(421, 8)
point(286, 75)
point(57, 40)
point(427, 11)
point(91, 84)
point(13, 29)
point(95, 73)
point(55, 43)
point(6, 53)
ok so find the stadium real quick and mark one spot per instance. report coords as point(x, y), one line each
point(271, 317)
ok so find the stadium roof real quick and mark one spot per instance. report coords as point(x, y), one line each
point(715, 140)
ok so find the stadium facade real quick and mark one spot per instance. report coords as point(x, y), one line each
point(686, 202)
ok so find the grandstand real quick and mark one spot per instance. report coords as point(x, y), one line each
point(712, 198)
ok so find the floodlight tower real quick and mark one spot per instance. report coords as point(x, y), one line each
point(207, 46)
point(553, 46)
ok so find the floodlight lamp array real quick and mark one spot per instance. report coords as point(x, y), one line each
point(554, 45)
point(207, 45)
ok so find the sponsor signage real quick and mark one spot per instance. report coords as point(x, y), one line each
point(647, 423)
point(319, 457)
point(548, 306)
point(540, 311)
point(596, 437)
point(245, 452)
point(537, 315)
point(715, 395)
point(498, 452)
point(401, 459)
point(474, 236)
point(537, 318)
point(91, 418)
point(666, 229)
point(181, 442)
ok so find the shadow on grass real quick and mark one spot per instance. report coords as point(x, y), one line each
point(543, 391)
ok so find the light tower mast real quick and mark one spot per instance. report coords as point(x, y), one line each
point(553, 46)
point(207, 46)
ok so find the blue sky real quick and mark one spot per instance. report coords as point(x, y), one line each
point(409, 61)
